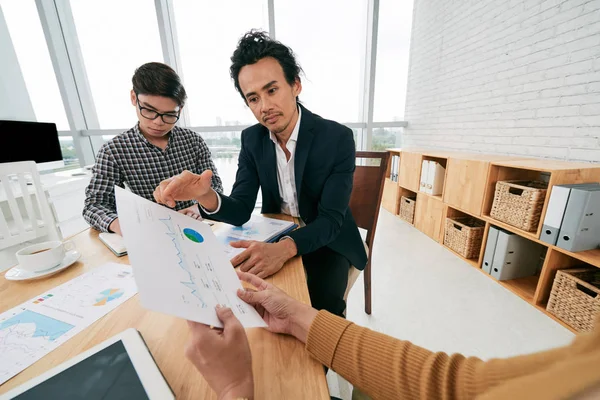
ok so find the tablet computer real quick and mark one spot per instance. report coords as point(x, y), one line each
point(118, 368)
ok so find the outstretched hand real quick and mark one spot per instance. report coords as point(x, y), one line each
point(183, 187)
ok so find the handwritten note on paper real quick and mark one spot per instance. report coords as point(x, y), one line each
point(179, 266)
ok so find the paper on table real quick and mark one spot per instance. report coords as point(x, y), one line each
point(33, 329)
point(180, 267)
point(259, 228)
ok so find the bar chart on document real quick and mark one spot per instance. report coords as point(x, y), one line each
point(179, 265)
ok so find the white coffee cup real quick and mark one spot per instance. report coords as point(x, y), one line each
point(42, 256)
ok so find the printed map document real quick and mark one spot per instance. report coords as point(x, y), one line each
point(33, 329)
point(259, 228)
point(180, 267)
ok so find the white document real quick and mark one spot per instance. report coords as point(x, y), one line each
point(259, 228)
point(33, 329)
point(424, 176)
point(181, 268)
point(435, 178)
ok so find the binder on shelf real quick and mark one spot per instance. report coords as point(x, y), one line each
point(515, 257)
point(556, 209)
point(424, 175)
point(435, 179)
point(396, 167)
point(580, 229)
point(394, 164)
point(432, 177)
point(490, 248)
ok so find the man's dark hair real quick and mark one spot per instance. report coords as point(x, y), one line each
point(256, 45)
point(159, 79)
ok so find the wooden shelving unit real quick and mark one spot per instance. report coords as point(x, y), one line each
point(469, 188)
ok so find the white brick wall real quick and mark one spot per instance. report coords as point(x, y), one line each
point(506, 76)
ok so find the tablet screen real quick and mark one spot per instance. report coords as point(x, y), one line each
point(107, 374)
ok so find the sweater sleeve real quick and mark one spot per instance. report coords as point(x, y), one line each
point(387, 368)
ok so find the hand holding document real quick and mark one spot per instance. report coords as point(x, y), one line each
point(179, 266)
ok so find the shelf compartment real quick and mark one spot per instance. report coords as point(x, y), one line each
point(457, 215)
point(429, 215)
point(402, 192)
point(555, 260)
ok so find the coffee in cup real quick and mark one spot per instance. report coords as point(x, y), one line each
point(40, 251)
point(42, 256)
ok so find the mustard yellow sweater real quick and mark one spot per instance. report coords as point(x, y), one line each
point(388, 368)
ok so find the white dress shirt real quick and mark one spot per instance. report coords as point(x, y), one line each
point(286, 177)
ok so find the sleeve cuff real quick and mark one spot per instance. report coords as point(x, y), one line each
point(105, 224)
point(218, 205)
point(324, 336)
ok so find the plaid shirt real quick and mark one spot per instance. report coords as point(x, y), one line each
point(130, 159)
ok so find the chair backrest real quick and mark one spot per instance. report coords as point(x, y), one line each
point(25, 212)
point(367, 190)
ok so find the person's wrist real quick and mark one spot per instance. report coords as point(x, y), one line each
point(208, 200)
point(301, 320)
point(289, 247)
point(114, 226)
point(243, 390)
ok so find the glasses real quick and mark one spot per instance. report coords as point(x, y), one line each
point(151, 114)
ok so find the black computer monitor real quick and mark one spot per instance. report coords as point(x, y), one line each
point(30, 141)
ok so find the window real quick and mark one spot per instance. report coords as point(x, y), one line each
point(30, 46)
point(329, 40)
point(68, 152)
point(207, 33)
point(384, 138)
point(225, 149)
point(115, 38)
point(393, 46)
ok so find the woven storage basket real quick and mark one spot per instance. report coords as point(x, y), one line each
point(519, 203)
point(464, 236)
point(407, 209)
point(575, 297)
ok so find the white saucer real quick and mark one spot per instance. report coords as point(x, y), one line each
point(18, 274)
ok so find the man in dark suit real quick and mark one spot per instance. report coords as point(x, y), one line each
point(304, 166)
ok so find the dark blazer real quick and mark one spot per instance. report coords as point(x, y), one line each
point(324, 164)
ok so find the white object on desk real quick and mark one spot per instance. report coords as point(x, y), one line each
point(114, 242)
point(180, 267)
point(18, 274)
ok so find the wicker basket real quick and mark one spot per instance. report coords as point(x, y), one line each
point(575, 297)
point(464, 236)
point(519, 203)
point(407, 209)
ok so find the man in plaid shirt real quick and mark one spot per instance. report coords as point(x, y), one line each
point(150, 152)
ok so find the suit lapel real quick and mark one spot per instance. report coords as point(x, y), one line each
point(269, 165)
point(305, 137)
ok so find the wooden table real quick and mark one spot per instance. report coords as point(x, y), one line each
point(282, 368)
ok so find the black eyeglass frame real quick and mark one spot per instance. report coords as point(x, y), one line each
point(156, 113)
